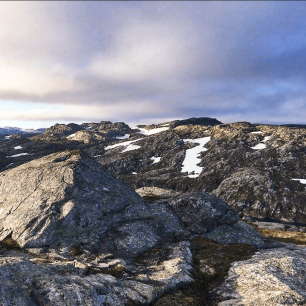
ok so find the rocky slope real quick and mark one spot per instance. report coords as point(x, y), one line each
point(260, 170)
point(73, 233)
point(83, 237)
point(270, 277)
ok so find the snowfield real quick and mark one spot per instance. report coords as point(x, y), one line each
point(18, 148)
point(71, 135)
point(192, 159)
point(152, 131)
point(259, 146)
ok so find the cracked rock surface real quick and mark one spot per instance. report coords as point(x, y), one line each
point(270, 277)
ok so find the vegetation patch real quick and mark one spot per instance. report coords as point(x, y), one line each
point(10, 244)
point(284, 236)
point(212, 262)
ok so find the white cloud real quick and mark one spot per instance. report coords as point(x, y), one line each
point(83, 112)
point(35, 42)
point(142, 52)
point(28, 80)
point(124, 60)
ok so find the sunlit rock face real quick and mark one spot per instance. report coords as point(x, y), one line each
point(67, 199)
point(271, 277)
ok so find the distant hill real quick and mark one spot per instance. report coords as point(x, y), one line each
point(8, 130)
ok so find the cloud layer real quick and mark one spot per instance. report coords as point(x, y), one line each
point(133, 61)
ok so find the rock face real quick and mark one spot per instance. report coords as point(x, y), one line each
point(271, 277)
point(255, 182)
point(201, 212)
point(29, 281)
point(253, 167)
point(90, 239)
point(67, 199)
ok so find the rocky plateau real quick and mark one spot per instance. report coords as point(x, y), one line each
point(187, 212)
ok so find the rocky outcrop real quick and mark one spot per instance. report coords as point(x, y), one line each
point(240, 233)
point(271, 277)
point(156, 192)
point(67, 199)
point(255, 182)
point(86, 137)
point(252, 167)
point(205, 121)
point(81, 236)
point(58, 131)
point(26, 280)
point(201, 212)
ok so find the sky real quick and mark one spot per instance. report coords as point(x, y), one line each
point(152, 61)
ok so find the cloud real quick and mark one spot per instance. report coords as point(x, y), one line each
point(84, 113)
point(150, 60)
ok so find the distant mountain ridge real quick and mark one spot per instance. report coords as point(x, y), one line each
point(8, 130)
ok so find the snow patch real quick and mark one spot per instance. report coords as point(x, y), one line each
point(125, 143)
point(155, 159)
point(131, 147)
point(261, 145)
point(257, 132)
point(17, 155)
point(105, 189)
point(302, 181)
point(166, 124)
point(266, 138)
point(192, 159)
point(152, 131)
point(7, 137)
point(18, 148)
point(126, 136)
point(71, 135)
point(134, 172)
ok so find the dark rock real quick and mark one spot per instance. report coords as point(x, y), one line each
point(201, 212)
point(197, 121)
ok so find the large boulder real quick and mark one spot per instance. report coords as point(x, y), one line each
point(201, 212)
point(67, 200)
point(271, 277)
point(26, 280)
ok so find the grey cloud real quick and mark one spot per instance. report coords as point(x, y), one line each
point(172, 59)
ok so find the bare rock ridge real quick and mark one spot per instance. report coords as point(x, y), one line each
point(66, 200)
point(88, 227)
point(73, 231)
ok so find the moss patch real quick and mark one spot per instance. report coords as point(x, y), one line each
point(284, 236)
point(10, 244)
point(212, 262)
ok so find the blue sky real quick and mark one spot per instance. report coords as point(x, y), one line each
point(145, 62)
